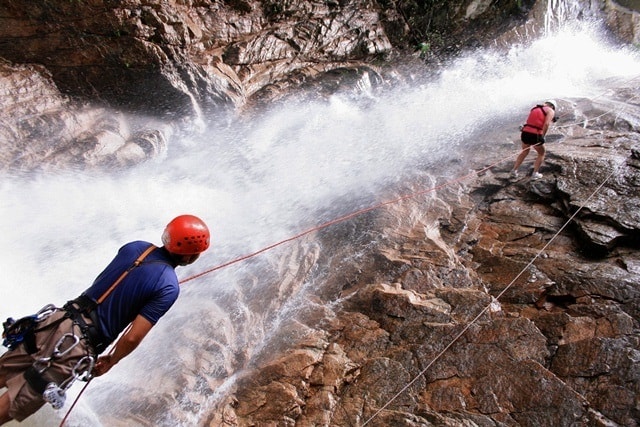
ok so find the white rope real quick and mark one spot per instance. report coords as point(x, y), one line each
point(485, 309)
point(585, 121)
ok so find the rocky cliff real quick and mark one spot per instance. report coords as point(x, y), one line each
point(493, 301)
point(486, 302)
point(481, 301)
point(113, 71)
point(176, 57)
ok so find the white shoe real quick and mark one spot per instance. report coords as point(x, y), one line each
point(536, 175)
point(514, 173)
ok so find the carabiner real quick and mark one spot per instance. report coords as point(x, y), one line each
point(57, 353)
point(45, 312)
point(85, 374)
point(81, 371)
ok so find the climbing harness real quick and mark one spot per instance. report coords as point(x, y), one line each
point(52, 392)
point(23, 331)
point(84, 307)
point(77, 310)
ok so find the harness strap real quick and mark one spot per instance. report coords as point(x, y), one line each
point(23, 331)
point(35, 380)
point(136, 263)
point(30, 342)
point(20, 331)
point(89, 331)
point(75, 310)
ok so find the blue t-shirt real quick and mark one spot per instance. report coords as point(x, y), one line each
point(149, 289)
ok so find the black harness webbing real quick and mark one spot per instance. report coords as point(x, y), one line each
point(76, 310)
point(35, 380)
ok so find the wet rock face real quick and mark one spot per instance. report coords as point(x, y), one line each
point(517, 316)
point(189, 60)
point(42, 129)
point(174, 58)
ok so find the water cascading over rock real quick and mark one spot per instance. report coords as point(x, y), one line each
point(350, 324)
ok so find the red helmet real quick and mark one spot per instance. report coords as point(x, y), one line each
point(186, 235)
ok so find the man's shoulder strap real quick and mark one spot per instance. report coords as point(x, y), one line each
point(136, 263)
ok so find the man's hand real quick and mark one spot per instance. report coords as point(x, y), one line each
point(103, 365)
point(129, 340)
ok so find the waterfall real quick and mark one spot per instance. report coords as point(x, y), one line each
point(257, 182)
point(564, 12)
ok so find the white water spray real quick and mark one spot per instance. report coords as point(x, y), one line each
point(290, 169)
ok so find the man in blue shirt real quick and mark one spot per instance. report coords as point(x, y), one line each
point(60, 345)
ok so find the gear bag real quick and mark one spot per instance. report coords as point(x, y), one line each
point(22, 331)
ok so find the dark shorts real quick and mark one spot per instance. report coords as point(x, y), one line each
point(531, 138)
point(24, 400)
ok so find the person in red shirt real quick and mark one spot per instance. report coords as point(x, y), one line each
point(51, 349)
point(533, 132)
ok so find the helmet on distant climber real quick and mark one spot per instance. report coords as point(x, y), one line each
point(552, 103)
point(186, 235)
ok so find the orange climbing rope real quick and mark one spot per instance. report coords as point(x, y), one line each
point(317, 228)
point(344, 218)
